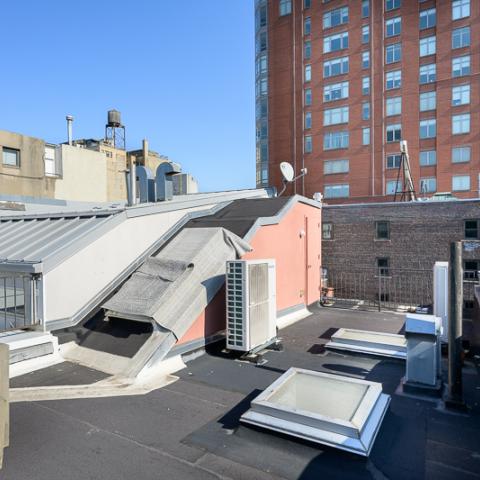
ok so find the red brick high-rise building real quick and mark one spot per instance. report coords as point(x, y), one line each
point(340, 82)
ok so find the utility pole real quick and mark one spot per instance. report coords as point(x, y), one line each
point(454, 397)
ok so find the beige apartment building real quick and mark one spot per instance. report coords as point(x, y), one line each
point(86, 170)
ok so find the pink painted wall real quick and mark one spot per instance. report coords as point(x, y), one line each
point(295, 244)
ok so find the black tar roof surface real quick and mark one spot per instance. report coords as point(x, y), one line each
point(240, 215)
point(190, 428)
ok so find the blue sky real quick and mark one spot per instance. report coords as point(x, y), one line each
point(180, 72)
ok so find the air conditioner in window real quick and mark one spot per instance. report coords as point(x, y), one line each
point(251, 304)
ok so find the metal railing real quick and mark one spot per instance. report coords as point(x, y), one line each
point(378, 288)
point(17, 301)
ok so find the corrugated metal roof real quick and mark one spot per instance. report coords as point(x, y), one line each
point(32, 240)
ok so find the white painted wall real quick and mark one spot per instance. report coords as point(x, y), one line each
point(84, 175)
point(76, 281)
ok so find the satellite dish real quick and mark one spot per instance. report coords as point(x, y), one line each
point(287, 171)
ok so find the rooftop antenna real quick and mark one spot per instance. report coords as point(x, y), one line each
point(407, 193)
point(288, 175)
point(114, 130)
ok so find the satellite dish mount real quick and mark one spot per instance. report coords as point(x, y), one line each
point(288, 175)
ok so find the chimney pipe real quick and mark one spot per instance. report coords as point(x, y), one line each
point(69, 129)
point(132, 200)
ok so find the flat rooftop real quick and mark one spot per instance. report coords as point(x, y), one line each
point(191, 429)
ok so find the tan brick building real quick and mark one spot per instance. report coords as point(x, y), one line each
point(340, 82)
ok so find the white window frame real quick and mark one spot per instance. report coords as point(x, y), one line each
point(393, 106)
point(461, 124)
point(428, 101)
point(336, 190)
point(393, 27)
point(460, 9)
point(428, 46)
point(461, 94)
point(461, 183)
point(461, 154)
point(427, 158)
point(460, 63)
point(395, 50)
point(396, 77)
point(342, 37)
point(429, 128)
point(333, 88)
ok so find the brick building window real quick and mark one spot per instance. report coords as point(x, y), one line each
point(394, 133)
point(336, 166)
point(307, 4)
point(334, 140)
point(393, 53)
point(365, 59)
point(308, 73)
point(428, 128)
point(337, 66)
point(336, 191)
point(308, 96)
point(307, 50)
point(461, 124)
point(335, 116)
point(335, 91)
point(461, 37)
point(285, 7)
point(428, 158)
point(365, 33)
point(393, 160)
point(308, 120)
point(461, 183)
point(307, 26)
point(308, 144)
point(393, 79)
point(11, 157)
point(427, 18)
point(366, 111)
point(461, 95)
point(327, 231)
point(393, 106)
point(461, 66)
point(471, 229)
point(366, 136)
point(382, 230)
point(392, 4)
point(461, 154)
point(428, 46)
point(393, 27)
point(393, 186)
point(460, 9)
point(339, 16)
point(471, 269)
point(428, 101)
point(365, 8)
point(428, 73)
point(428, 185)
point(333, 43)
point(383, 265)
point(365, 85)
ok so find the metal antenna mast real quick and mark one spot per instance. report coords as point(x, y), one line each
point(407, 193)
